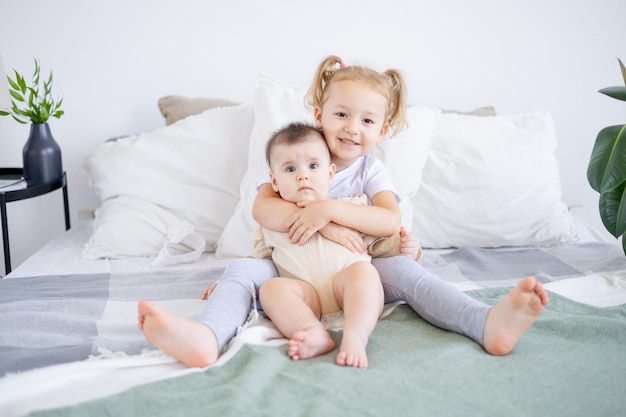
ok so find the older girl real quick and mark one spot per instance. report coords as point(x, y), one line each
point(352, 130)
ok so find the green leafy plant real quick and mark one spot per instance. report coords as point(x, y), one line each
point(33, 102)
point(606, 172)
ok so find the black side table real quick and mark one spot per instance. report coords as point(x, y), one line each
point(16, 190)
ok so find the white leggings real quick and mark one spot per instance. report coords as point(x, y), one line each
point(403, 279)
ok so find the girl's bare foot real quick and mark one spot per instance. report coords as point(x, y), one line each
point(508, 320)
point(309, 343)
point(190, 342)
point(352, 351)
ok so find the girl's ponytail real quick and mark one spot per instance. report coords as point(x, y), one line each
point(325, 71)
point(396, 109)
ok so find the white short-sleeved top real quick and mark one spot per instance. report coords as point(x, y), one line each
point(367, 175)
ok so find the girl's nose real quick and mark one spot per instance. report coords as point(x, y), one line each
point(352, 127)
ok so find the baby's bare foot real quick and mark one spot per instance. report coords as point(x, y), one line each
point(352, 351)
point(508, 320)
point(190, 342)
point(309, 343)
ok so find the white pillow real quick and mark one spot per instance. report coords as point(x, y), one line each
point(490, 182)
point(277, 104)
point(152, 184)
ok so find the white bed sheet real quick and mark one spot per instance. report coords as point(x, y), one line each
point(72, 383)
point(62, 256)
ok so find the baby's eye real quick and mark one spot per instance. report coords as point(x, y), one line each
point(290, 169)
point(314, 165)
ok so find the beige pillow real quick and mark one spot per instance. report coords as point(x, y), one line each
point(481, 111)
point(175, 108)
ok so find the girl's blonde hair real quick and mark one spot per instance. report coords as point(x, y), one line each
point(389, 84)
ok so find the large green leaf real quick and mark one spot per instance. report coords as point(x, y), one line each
point(613, 210)
point(615, 92)
point(607, 165)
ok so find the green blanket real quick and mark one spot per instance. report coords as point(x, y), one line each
point(570, 363)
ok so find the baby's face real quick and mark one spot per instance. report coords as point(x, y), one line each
point(302, 172)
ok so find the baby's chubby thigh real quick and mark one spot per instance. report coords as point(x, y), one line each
point(359, 278)
point(282, 294)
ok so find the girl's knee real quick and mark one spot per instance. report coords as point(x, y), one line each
point(245, 271)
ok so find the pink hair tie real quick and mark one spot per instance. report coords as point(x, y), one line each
point(342, 65)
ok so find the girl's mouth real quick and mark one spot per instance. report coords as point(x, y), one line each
point(347, 141)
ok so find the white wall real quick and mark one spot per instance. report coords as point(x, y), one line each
point(112, 60)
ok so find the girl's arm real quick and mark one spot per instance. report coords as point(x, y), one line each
point(271, 211)
point(382, 218)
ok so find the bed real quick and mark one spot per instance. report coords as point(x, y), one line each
point(170, 221)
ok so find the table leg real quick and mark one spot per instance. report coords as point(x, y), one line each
point(5, 235)
point(66, 204)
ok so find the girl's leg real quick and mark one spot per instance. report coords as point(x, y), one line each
point(360, 294)
point(433, 299)
point(497, 329)
point(229, 305)
point(199, 343)
point(294, 307)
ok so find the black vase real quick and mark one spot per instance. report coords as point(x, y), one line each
point(41, 156)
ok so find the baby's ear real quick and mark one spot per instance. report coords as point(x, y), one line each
point(273, 182)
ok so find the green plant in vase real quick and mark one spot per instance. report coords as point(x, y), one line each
point(32, 103)
point(606, 172)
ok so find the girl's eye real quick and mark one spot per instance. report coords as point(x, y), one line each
point(368, 121)
point(341, 114)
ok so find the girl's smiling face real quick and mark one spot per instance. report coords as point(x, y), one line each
point(352, 118)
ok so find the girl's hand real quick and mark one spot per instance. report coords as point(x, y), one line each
point(309, 220)
point(345, 236)
point(409, 245)
point(209, 290)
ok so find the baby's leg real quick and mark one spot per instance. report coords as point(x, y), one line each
point(294, 307)
point(222, 314)
point(359, 292)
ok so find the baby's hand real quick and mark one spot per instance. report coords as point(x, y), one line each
point(409, 245)
point(309, 220)
point(209, 290)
